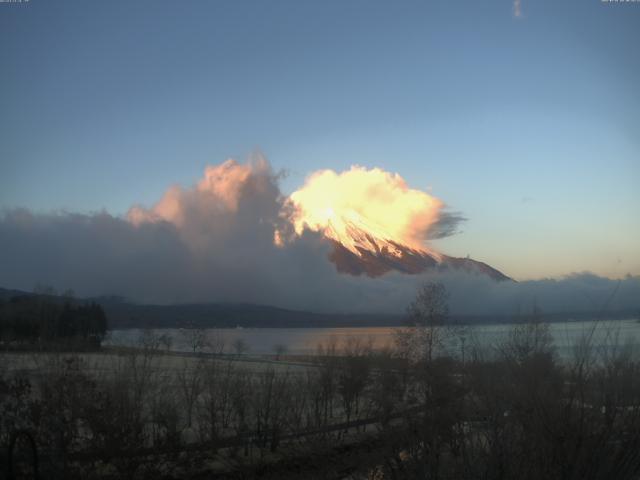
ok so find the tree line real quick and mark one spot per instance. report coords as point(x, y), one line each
point(49, 319)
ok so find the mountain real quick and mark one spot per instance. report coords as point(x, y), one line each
point(360, 248)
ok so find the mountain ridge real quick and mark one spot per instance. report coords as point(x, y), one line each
point(374, 257)
point(360, 247)
point(122, 314)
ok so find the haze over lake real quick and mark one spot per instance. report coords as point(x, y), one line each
point(302, 341)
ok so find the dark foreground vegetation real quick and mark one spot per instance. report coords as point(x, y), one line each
point(432, 407)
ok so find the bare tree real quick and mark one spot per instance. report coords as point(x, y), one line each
point(216, 341)
point(189, 379)
point(240, 346)
point(196, 338)
point(353, 376)
point(280, 349)
point(528, 339)
point(165, 340)
point(327, 379)
point(428, 326)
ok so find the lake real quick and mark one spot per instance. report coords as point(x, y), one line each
point(261, 341)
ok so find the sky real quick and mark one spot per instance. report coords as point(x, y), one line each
point(525, 121)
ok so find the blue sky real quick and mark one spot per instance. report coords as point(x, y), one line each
point(529, 126)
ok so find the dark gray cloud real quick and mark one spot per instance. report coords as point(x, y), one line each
point(448, 224)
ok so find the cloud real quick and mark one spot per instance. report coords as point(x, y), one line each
point(231, 199)
point(517, 8)
point(448, 224)
point(214, 242)
point(373, 199)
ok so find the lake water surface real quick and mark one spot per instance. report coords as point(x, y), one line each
point(260, 341)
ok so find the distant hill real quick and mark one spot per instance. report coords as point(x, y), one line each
point(6, 294)
point(123, 314)
point(256, 316)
